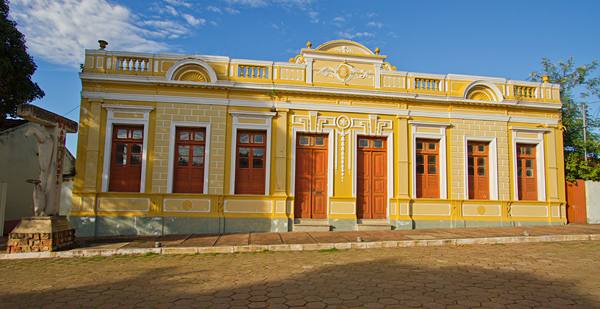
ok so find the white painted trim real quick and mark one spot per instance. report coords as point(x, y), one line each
point(172, 138)
point(111, 120)
point(147, 200)
point(249, 212)
point(92, 202)
point(175, 68)
point(529, 206)
point(484, 215)
point(429, 214)
point(423, 97)
point(304, 53)
point(236, 125)
point(262, 63)
point(529, 129)
point(393, 207)
point(401, 206)
point(363, 59)
point(344, 213)
point(487, 84)
point(429, 123)
point(441, 137)
point(182, 200)
point(276, 207)
point(310, 106)
point(493, 164)
point(539, 158)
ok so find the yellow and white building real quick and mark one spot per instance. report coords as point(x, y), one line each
point(334, 139)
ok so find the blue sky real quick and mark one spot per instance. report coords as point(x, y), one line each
point(487, 38)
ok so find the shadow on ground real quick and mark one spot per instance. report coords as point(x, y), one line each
point(379, 278)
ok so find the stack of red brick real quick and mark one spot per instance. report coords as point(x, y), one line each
point(40, 242)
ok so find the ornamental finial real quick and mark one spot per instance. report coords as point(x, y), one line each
point(309, 44)
point(377, 50)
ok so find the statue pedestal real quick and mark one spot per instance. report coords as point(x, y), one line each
point(41, 234)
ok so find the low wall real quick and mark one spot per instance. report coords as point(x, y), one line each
point(592, 197)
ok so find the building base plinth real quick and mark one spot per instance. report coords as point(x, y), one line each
point(41, 234)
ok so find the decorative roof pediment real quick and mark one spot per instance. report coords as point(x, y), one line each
point(345, 47)
point(342, 51)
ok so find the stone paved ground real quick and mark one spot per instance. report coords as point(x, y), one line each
point(558, 275)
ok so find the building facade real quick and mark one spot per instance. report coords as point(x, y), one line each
point(334, 139)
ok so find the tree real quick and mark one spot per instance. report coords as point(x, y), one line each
point(576, 87)
point(16, 68)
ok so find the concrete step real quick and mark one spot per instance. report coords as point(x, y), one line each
point(373, 225)
point(311, 225)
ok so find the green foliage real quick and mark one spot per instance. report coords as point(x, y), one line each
point(577, 85)
point(16, 68)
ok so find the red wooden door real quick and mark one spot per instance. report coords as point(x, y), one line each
point(126, 159)
point(478, 168)
point(189, 160)
point(427, 166)
point(371, 187)
point(576, 208)
point(250, 162)
point(526, 172)
point(311, 177)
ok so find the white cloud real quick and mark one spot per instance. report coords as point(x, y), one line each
point(214, 9)
point(349, 35)
point(232, 11)
point(374, 24)
point(178, 3)
point(314, 17)
point(59, 30)
point(263, 3)
point(164, 28)
point(171, 10)
point(213, 23)
point(339, 19)
point(251, 3)
point(193, 20)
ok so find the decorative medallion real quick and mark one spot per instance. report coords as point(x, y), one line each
point(343, 122)
point(344, 49)
point(187, 205)
point(344, 72)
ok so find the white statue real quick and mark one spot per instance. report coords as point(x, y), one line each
point(44, 200)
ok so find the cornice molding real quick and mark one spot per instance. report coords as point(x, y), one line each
point(158, 80)
point(310, 106)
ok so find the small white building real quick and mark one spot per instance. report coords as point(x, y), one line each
point(19, 162)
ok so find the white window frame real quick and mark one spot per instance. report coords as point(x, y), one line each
point(172, 139)
point(236, 126)
point(493, 164)
point(539, 158)
point(111, 121)
point(441, 137)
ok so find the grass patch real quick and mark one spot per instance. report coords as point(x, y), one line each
point(264, 251)
point(151, 254)
point(498, 244)
point(329, 250)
